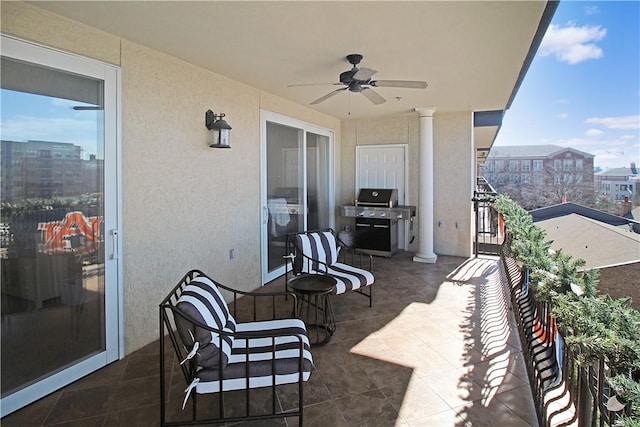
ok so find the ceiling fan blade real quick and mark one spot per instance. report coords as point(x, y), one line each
point(327, 96)
point(372, 96)
point(413, 84)
point(364, 74)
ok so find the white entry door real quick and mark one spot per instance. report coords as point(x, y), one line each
point(61, 288)
point(384, 166)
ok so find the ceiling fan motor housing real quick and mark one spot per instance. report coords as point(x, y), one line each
point(347, 77)
point(354, 59)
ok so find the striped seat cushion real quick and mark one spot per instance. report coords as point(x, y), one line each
point(202, 301)
point(317, 246)
point(260, 355)
point(349, 278)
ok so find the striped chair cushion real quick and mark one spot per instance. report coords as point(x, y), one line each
point(349, 278)
point(317, 246)
point(202, 301)
point(260, 355)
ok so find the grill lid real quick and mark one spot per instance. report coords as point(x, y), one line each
point(386, 197)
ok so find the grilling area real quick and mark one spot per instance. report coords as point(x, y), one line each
point(377, 214)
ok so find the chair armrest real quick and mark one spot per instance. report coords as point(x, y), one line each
point(362, 258)
point(222, 332)
point(241, 297)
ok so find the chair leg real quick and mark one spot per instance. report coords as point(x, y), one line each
point(300, 402)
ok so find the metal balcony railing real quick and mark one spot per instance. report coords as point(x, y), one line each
point(489, 234)
point(565, 393)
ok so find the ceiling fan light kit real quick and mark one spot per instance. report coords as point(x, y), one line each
point(358, 80)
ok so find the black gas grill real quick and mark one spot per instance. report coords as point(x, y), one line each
point(377, 214)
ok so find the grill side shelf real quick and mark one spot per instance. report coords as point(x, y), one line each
point(398, 213)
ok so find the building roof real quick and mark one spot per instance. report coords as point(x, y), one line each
point(616, 172)
point(521, 151)
point(598, 243)
point(600, 238)
point(568, 208)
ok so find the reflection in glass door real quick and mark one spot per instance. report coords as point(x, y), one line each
point(54, 221)
point(297, 185)
point(318, 201)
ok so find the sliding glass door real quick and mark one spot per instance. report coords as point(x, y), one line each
point(59, 220)
point(297, 185)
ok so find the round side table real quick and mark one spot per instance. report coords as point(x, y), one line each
point(313, 291)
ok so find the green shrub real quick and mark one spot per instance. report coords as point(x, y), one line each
point(600, 327)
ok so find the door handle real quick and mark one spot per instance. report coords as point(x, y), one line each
point(380, 226)
point(114, 241)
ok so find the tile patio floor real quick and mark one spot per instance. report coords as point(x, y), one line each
point(436, 349)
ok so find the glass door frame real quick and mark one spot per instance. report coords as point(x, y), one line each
point(34, 53)
point(305, 127)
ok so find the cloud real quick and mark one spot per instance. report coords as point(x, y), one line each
point(591, 10)
point(562, 115)
point(624, 122)
point(593, 133)
point(572, 44)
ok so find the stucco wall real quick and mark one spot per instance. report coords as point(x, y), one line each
point(453, 182)
point(34, 24)
point(184, 204)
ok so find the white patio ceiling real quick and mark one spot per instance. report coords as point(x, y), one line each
point(470, 53)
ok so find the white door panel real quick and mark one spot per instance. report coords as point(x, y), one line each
point(384, 166)
point(62, 277)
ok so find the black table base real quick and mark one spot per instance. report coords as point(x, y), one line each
point(314, 305)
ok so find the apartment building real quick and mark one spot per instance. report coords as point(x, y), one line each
point(538, 165)
point(618, 183)
point(540, 175)
point(46, 169)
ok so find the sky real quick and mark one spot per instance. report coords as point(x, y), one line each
point(27, 116)
point(582, 89)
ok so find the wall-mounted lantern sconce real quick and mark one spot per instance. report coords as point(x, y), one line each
point(221, 129)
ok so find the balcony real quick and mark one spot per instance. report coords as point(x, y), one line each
point(436, 349)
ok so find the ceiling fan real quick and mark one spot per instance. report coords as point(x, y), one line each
point(359, 80)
